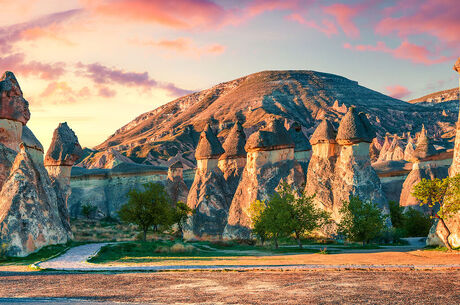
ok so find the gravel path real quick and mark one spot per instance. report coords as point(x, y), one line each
point(76, 258)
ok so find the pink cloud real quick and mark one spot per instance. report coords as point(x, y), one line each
point(438, 18)
point(12, 34)
point(103, 75)
point(62, 93)
point(406, 50)
point(182, 14)
point(183, 45)
point(17, 64)
point(344, 15)
point(398, 91)
point(106, 92)
point(327, 28)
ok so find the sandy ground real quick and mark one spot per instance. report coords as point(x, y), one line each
point(264, 287)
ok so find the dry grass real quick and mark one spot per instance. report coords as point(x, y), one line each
point(299, 287)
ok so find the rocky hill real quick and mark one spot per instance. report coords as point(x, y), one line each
point(446, 99)
point(171, 132)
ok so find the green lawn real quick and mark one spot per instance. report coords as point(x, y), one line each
point(43, 254)
point(161, 250)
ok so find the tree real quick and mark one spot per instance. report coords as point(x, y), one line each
point(258, 228)
point(148, 208)
point(87, 210)
point(361, 221)
point(416, 223)
point(396, 214)
point(305, 217)
point(276, 217)
point(444, 193)
point(181, 212)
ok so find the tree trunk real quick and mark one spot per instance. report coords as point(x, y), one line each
point(276, 242)
point(446, 238)
point(297, 236)
point(145, 235)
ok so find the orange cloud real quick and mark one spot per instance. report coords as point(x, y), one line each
point(183, 45)
point(398, 91)
point(46, 33)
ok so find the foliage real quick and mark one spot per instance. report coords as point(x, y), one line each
point(443, 192)
point(150, 208)
point(416, 223)
point(256, 210)
point(87, 210)
point(180, 214)
point(396, 214)
point(361, 221)
point(286, 212)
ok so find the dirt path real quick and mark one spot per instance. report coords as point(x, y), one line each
point(387, 259)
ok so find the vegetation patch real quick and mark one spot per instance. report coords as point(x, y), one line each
point(44, 253)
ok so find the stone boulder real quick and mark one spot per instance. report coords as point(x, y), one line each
point(424, 147)
point(13, 106)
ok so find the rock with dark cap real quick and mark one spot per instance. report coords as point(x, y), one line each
point(209, 146)
point(64, 149)
point(274, 136)
point(354, 128)
point(234, 143)
point(300, 140)
point(13, 106)
point(29, 215)
point(29, 139)
point(175, 165)
point(324, 133)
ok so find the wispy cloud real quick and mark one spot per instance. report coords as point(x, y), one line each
point(103, 75)
point(406, 50)
point(183, 45)
point(18, 64)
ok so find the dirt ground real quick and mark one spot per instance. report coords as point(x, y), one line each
point(264, 287)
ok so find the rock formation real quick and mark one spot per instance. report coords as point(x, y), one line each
point(175, 185)
point(29, 214)
point(233, 160)
point(396, 150)
point(320, 174)
point(409, 150)
point(385, 147)
point(353, 174)
point(270, 160)
point(424, 148)
point(302, 148)
point(452, 223)
point(209, 193)
point(64, 150)
point(374, 150)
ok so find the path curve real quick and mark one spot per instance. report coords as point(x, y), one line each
point(75, 259)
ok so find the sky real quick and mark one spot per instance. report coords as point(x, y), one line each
point(98, 64)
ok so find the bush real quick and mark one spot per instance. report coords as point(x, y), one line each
point(361, 221)
point(416, 223)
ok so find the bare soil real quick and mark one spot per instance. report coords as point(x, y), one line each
point(264, 287)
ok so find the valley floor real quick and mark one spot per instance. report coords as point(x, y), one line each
point(263, 287)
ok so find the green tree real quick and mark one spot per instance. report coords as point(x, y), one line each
point(305, 217)
point(443, 193)
point(258, 228)
point(150, 208)
point(396, 214)
point(361, 221)
point(180, 214)
point(277, 217)
point(87, 210)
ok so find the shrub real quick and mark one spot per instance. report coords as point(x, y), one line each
point(361, 221)
point(416, 223)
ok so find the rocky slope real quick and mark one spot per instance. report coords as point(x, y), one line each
point(171, 132)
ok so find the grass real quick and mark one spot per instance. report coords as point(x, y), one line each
point(160, 250)
point(440, 249)
point(43, 254)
